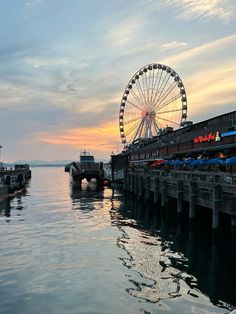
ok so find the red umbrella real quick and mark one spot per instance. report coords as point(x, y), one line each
point(157, 162)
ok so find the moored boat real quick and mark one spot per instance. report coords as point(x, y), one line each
point(86, 168)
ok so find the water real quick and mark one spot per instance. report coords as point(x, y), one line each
point(97, 252)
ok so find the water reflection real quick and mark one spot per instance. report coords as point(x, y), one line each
point(5, 207)
point(171, 261)
point(10, 204)
point(87, 196)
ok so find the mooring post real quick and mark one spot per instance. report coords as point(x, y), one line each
point(163, 193)
point(233, 226)
point(125, 179)
point(135, 183)
point(180, 190)
point(156, 190)
point(147, 188)
point(216, 208)
point(140, 186)
point(131, 183)
point(192, 201)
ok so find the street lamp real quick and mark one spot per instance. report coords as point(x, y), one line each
point(0, 152)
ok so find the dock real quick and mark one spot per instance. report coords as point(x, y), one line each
point(13, 180)
point(213, 190)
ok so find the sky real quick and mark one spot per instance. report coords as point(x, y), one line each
point(64, 65)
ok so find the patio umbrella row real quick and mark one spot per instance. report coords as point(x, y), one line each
point(213, 161)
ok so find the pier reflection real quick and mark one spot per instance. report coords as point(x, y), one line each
point(5, 207)
point(11, 203)
point(83, 197)
point(173, 261)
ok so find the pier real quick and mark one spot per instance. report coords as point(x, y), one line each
point(198, 171)
point(13, 180)
point(212, 190)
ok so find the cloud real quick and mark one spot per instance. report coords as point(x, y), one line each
point(33, 3)
point(212, 46)
point(172, 45)
point(40, 62)
point(126, 32)
point(219, 10)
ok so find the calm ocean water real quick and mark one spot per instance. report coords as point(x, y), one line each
point(97, 252)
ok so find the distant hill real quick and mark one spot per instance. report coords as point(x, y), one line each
point(41, 163)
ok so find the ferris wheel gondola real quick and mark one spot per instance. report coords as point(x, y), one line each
point(153, 99)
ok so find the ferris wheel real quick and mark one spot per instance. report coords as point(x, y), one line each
point(154, 98)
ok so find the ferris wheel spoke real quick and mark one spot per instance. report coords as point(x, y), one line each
point(141, 92)
point(150, 84)
point(163, 88)
point(164, 82)
point(154, 86)
point(161, 125)
point(132, 128)
point(134, 105)
point(158, 87)
point(137, 98)
point(141, 129)
point(147, 90)
point(138, 132)
point(169, 111)
point(169, 101)
point(159, 81)
point(167, 120)
point(166, 94)
point(131, 114)
point(156, 127)
point(131, 121)
point(155, 123)
point(153, 80)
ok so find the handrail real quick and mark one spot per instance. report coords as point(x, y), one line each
point(213, 176)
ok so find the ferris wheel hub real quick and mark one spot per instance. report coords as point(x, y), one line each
point(144, 113)
point(148, 114)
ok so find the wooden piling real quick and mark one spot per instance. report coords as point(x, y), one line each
point(216, 208)
point(163, 193)
point(180, 189)
point(192, 203)
point(156, 190)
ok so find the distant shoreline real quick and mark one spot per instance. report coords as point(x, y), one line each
point(56, 165)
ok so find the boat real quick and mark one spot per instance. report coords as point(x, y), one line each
point(86, 168)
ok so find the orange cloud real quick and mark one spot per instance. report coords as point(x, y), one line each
point(102, 139)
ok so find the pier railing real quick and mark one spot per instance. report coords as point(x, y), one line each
point(211, 177)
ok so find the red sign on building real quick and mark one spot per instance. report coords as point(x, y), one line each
point(207, 138)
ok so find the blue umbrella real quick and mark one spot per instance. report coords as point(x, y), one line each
point(170, 162)
point(187, 161)
point(198, 162)
point(231, 161)
point(215, 161)
point(177, 162)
